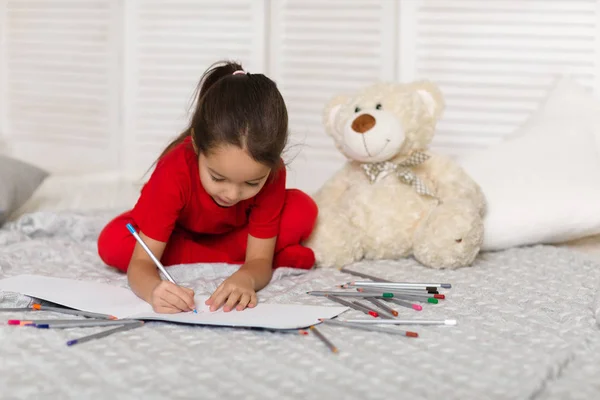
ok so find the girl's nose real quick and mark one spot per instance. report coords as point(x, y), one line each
point(232, 195)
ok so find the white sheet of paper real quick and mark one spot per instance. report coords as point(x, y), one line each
point(123, 303)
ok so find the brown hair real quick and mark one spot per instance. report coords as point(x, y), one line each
point(244, 110)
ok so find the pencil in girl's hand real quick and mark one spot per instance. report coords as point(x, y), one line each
point(152, 256)
point(324, 339)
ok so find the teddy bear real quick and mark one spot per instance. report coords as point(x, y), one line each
point(393, 198)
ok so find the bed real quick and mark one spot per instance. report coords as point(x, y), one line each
point(527, 324)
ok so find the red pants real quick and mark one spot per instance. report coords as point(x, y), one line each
point(115, 244)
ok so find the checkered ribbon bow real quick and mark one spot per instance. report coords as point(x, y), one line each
point(402, 170)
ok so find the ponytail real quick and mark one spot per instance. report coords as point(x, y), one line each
point(216, 72)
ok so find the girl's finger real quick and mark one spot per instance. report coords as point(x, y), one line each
point(175, 301)
point(219, 299)
point(232, 300)
point(187, 297)
point(183, 296)
point(244, 300)
point(253, 301)
point(211, 299)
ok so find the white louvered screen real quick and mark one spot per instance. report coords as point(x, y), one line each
point(62, 83)
point(495, 59)
point(169, 45)
point(4, 148)
point(320, 49)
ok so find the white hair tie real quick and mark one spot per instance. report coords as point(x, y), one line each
point(239, 72)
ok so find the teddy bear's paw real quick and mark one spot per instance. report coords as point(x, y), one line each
point(335, 250)
point(336, 255)
point(335, 241)
point(450, 237)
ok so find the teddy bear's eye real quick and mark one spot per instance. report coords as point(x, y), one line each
point(357, 109)
point(378, 106)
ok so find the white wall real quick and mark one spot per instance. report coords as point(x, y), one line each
point(96, 85)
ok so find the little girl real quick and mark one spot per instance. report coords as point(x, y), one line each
point(218, 194)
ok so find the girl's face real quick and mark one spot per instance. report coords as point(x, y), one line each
point(229, 175)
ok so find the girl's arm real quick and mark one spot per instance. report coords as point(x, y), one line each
point(241, 287)
point(145, 281)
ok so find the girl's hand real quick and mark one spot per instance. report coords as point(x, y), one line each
point(168, 298)
point(237, 289)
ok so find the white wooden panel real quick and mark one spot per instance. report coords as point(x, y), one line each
point(494, 60)
point(62, 92)
point(321, 48)
point(169, 45)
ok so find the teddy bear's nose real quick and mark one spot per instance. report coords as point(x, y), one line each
point(363, 123)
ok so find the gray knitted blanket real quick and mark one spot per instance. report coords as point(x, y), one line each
point(527, 329)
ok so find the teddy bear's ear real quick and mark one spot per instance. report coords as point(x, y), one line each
point(432, 98)
point(330, 113)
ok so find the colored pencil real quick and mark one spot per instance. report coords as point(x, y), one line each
point(401, 321)
point(402, 292)
point(84, 324)
point(415, 298)
point(424, 290)
point(368, 310)
point(370, 328)
point(383, 306)
point(22, 322)
point(348, 304)
point(104, 333)
point(400, 285)
point(327, 342)
point(363, 275)
point(70, 311)
point(349, 294)
point(152, 256)
point(406, 304)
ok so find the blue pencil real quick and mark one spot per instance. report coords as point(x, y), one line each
point(152, 256)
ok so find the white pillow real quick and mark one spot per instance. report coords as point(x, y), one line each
point(543, 184)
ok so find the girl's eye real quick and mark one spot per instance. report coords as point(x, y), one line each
point(357, 109)
point(378, 106)
point(217, 179)
point(252, 184)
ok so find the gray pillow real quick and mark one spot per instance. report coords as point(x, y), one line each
point(18, 181)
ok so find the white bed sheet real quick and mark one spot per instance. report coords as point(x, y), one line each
point(527, 328)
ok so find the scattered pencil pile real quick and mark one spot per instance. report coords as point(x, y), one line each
point(91, 320)
point(377, 298)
